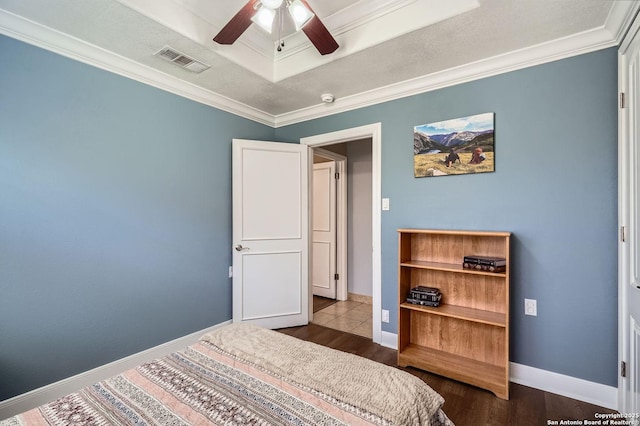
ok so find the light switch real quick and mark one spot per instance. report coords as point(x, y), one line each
point(385, 204)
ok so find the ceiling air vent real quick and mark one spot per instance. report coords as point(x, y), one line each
point(181, 60)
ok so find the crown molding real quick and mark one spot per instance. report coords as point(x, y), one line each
point(621, 17)
point(33, 33)
point(618, 21)
point(610, 34)
point(357, 28)
point(578, 44)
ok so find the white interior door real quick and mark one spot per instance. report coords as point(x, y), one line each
point(324, 230)
point(270, 233)
point(629, 211)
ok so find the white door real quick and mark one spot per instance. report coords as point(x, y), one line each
point(324, 230)
point(629, 211)
point(270, 233)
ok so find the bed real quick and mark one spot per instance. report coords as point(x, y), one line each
point(245, 375)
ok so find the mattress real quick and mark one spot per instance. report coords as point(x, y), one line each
point(246, 375)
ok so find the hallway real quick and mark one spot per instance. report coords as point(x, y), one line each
point(350, 316)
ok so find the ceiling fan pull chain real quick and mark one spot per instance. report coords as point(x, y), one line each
point(280, 29)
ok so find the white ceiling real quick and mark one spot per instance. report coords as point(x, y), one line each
point(388, 48)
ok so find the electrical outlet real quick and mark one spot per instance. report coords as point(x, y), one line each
point(385, 315)
point(531, 307)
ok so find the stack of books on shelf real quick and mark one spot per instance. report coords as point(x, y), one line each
point(485, 263)
point(425, 296)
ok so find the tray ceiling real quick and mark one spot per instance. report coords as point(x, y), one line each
point(388, 48)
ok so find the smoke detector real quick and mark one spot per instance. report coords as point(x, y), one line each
point(327, 98)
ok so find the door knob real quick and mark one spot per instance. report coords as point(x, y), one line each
point(240, 248)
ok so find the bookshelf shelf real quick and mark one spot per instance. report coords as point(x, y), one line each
point(448, 267)
point(466, 338)
point(461, 312)
point(457, 367)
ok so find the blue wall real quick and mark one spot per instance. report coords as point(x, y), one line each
point(115, 217)
point(555, 188)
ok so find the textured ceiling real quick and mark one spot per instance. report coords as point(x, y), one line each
point(494, 28)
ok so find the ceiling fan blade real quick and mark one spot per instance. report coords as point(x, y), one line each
point(237, 25)
point(319, 35)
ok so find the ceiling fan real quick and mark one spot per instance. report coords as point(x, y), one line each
point(263, 13)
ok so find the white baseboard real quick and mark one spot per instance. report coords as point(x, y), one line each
point(27, 401)
point(389, 340)
point(571, 387)
point(548, 381)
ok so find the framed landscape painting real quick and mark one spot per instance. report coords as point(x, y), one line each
point(454, 147)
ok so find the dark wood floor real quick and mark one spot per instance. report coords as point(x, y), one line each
point(465, 405)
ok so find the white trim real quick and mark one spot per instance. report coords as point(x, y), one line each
point(574, 45)
point(623, 220)
point(27, 401)
point(571, 387)
point(606, 36)
point(357, 27)
point(373, 131)
point(620, 19)
point(625, 201)
point(47, 38)
point(548, 381)
point(632, 368)
point(389, 340)
point(560, 384)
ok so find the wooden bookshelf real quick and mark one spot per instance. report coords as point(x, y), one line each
point(466, 338)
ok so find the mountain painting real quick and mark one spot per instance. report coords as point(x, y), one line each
point(454, 147)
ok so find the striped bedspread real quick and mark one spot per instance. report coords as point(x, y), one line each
point(245, 375)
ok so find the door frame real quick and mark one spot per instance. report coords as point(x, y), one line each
point(374, 132)
point(341, 219)
point(626, 194)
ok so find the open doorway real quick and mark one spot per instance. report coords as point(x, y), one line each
point(353, 312)
point(374, 132)
point(328, 233)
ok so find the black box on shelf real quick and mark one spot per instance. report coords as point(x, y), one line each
point(422, 302)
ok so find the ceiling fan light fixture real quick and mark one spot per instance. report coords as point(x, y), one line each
point(260, 13)
point(264, 18)
point(272, 4)
point(300, 14)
